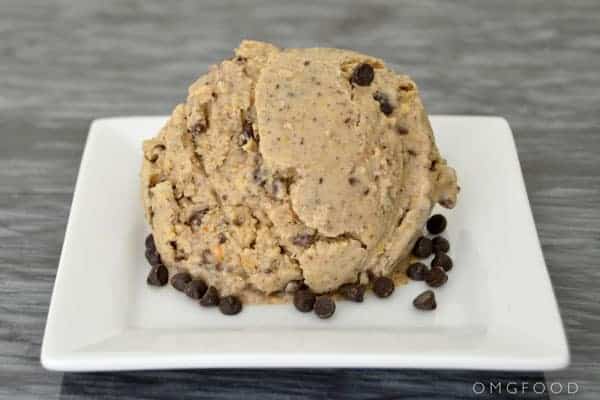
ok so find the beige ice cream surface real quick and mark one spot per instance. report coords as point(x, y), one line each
point(280, 168)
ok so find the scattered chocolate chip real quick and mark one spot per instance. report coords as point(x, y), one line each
point(247, 133)
point(425, 301)
point(195, 289)
point(158, 276)
point(353, 292)
point(304, 239)
point(153, 257)
point(436, 224)
point(320, 181)
point(423, 247)
point(180, 280)
point(442, 260)
point(363, 75)
point(324, 307)
point(222, 238)
point(440, 244)
point(210, 298)
point(384, 103)
point(230, 305)
point(304, 300)
point(306, 62)
point(436, 277)
point(383, 286)
point(352, 181)
point(416, 271)
point(196, 218)
point(150, 245)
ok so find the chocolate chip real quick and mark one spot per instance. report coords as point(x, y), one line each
point(195, 289)
point(247, 133)
point(304, 239)
point(416, 271)
point(259, 177)
point(158, 276)
point(423, 247)
point(304, 300)
point(230, 305)
point(324, 307)
point(153, 257)
point(401, 129)
point(352, 181)
point(196, 218)
point(180, 280)
point(222, 238)
point(363, 75)
point(383, 286)
point(150, 245)
point(353, 292)
point(440, 244)
point(425, 301)
point(442, 260)
point(210, 298)
point(306, 62)
point(384, 103)
point(198, 128)
point(436, 224)
point(436, 277)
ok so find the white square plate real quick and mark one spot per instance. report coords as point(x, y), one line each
point(497, 310)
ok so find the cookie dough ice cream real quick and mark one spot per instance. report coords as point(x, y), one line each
point(291, 166)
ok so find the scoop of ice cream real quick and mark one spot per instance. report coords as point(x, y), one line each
point(314, 165)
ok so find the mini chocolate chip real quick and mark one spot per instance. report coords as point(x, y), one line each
point(196, 218)
point(304, 300)
point(440, 244)
point(306, 62)
point(259, 177)
point(230, 305)
point(384, 103)
point(150, 245)
point(210, 298)
point(436, 277)
point(401, 130)
point(383, 286)
point(416, 271)
point(442, 260)
point(153, 257)
point(304, 239)
point(158, 276)
point(425, 301)
point(198, 128)
point(195, 289)
point(352, 181)
point(324, 307)
point(436, 224)
point(363, 75)
point(423, 247)
point(180, 280)
point(247, 133)
point(353, 291)
point(222, 238)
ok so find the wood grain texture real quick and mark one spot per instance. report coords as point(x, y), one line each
point(65, 63)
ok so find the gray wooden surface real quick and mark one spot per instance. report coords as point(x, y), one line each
point(63, 64)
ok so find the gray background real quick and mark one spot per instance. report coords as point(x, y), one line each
point(61, 65)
